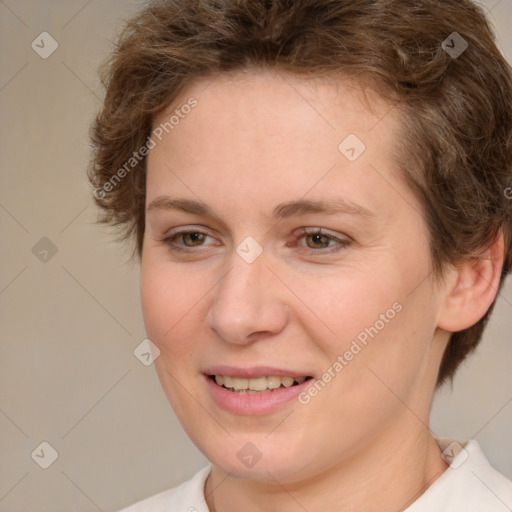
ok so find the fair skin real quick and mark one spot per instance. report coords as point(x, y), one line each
point(252, 143)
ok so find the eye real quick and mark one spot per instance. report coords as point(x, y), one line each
point(315, 239)
point(195, 238)
point(318, 240)
point(185, 239)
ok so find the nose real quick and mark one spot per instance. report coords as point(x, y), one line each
point(248, 304)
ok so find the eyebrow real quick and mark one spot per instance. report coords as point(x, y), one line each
point(281, 211)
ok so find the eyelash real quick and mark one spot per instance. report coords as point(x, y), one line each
point(342, 243)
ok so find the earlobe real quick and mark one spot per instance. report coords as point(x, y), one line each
point(472, 290)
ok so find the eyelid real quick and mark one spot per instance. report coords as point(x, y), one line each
point(306, 230)
point(309, 230)
point(186, 229)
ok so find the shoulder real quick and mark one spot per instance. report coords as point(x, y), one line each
point(187, 497)
point(470, 483)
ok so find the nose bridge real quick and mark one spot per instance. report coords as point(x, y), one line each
point(245, 301)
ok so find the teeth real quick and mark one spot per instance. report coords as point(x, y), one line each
point(287, 381)
point(240, 384)
point(273, 382)
point(259, 384)
point(251, 386)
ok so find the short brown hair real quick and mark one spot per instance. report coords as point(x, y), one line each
point(456, 109)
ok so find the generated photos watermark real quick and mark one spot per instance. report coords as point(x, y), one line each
point(357, 345)
point(156, 136)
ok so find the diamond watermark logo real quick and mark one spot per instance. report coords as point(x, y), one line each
point(352, 147)
point(44, 455)
point(454, 45)
point(249, 250)
point(455, 455)
point(249, 455)
point(44, 45)
point(146, 352)
point(44, 250)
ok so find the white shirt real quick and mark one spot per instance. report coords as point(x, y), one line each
point(470, 484)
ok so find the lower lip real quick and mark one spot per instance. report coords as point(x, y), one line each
point(255, 404)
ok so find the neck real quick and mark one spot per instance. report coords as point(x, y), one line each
point(387, 476)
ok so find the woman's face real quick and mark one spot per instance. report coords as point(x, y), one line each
point(238, 281)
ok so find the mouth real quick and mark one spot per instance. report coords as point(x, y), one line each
point(256, 385)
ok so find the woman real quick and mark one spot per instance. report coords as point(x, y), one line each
point(317, 191)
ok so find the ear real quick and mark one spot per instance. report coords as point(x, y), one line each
point(471, 289)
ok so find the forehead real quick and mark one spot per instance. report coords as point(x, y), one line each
point(267, 134)
point(267, 100)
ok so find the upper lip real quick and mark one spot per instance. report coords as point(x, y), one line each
point(253, 372)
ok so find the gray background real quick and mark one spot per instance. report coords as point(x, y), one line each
point(68, 375)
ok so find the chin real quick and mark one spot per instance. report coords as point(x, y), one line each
point(255, 458)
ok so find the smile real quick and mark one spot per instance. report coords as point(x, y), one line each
point(256, 385)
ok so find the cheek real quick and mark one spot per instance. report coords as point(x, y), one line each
point(374, 316)
point(347, 304)
point(154, 300)
point(170, 300)
point(170, 305)
point(383, 357)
